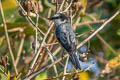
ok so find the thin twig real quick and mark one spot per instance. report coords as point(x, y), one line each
point(68, 74)
point(77, 21)
point(43, 51)
point(37, 55)
point(65, 68)
point(99, 29)
point(35, 73)
point(51, 44)
point(103, 41)
point(54, 77)
point(68, 6)
point(49, 12)
point(54, 53)
point(99, 37)
point(90, 22)
point(45, 68)
point(53, 56)
point(52, 59)
point(29, 19)
point(20, 49)
point(36, 32)
point(61, 5)
point(56, 6)
point(16, 29)
point(7, 37)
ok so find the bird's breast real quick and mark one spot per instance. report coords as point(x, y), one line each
point(59, 29)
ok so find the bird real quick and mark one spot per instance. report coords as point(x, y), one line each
point(66, 37)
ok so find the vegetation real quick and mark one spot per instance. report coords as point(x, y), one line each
point(30, 51)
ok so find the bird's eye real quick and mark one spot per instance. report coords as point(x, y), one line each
point(57, 17)
point(60, 16)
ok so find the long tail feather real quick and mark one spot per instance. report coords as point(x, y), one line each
point(75, 60)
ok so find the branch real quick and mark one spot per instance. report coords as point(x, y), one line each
point(29, 19)
point(38, 53)
point(7, 37)
point(103, 41)
point(68, 6)
point(65, 68)
point(99, 29)
point(52, 59)
point(20, 49)
point(90, 22)
point(45, 68)
point(61, 6)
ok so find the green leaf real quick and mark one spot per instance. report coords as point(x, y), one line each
point(8, 76)
point(84, 76)
point(12, 4)
point(1, 40)
point(84, 3)
point(41, 76)
point(118, 32)
point(2, 74)
point(14, 78)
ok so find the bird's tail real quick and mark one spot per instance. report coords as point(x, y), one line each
point(75, 60)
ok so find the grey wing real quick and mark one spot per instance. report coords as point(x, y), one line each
point(67, 39)
point(73, 40)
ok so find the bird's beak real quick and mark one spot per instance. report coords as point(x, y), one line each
point(52, 18)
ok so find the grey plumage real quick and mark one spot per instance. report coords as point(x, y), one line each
point(66, 37)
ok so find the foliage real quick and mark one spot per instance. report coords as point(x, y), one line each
point(104, 51)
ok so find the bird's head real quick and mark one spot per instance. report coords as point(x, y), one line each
point(59, 18)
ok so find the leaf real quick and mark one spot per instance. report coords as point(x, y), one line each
point(78, 76)
point(12, 4)
point(84, 76)
point(8, 76)
point(1, 39)
point(41, 76)
point(84, 5)
point(111, 65)
point(114, 63)
point(14, 78)
point(2, 68)
point(2, 74)
point(118, 32)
